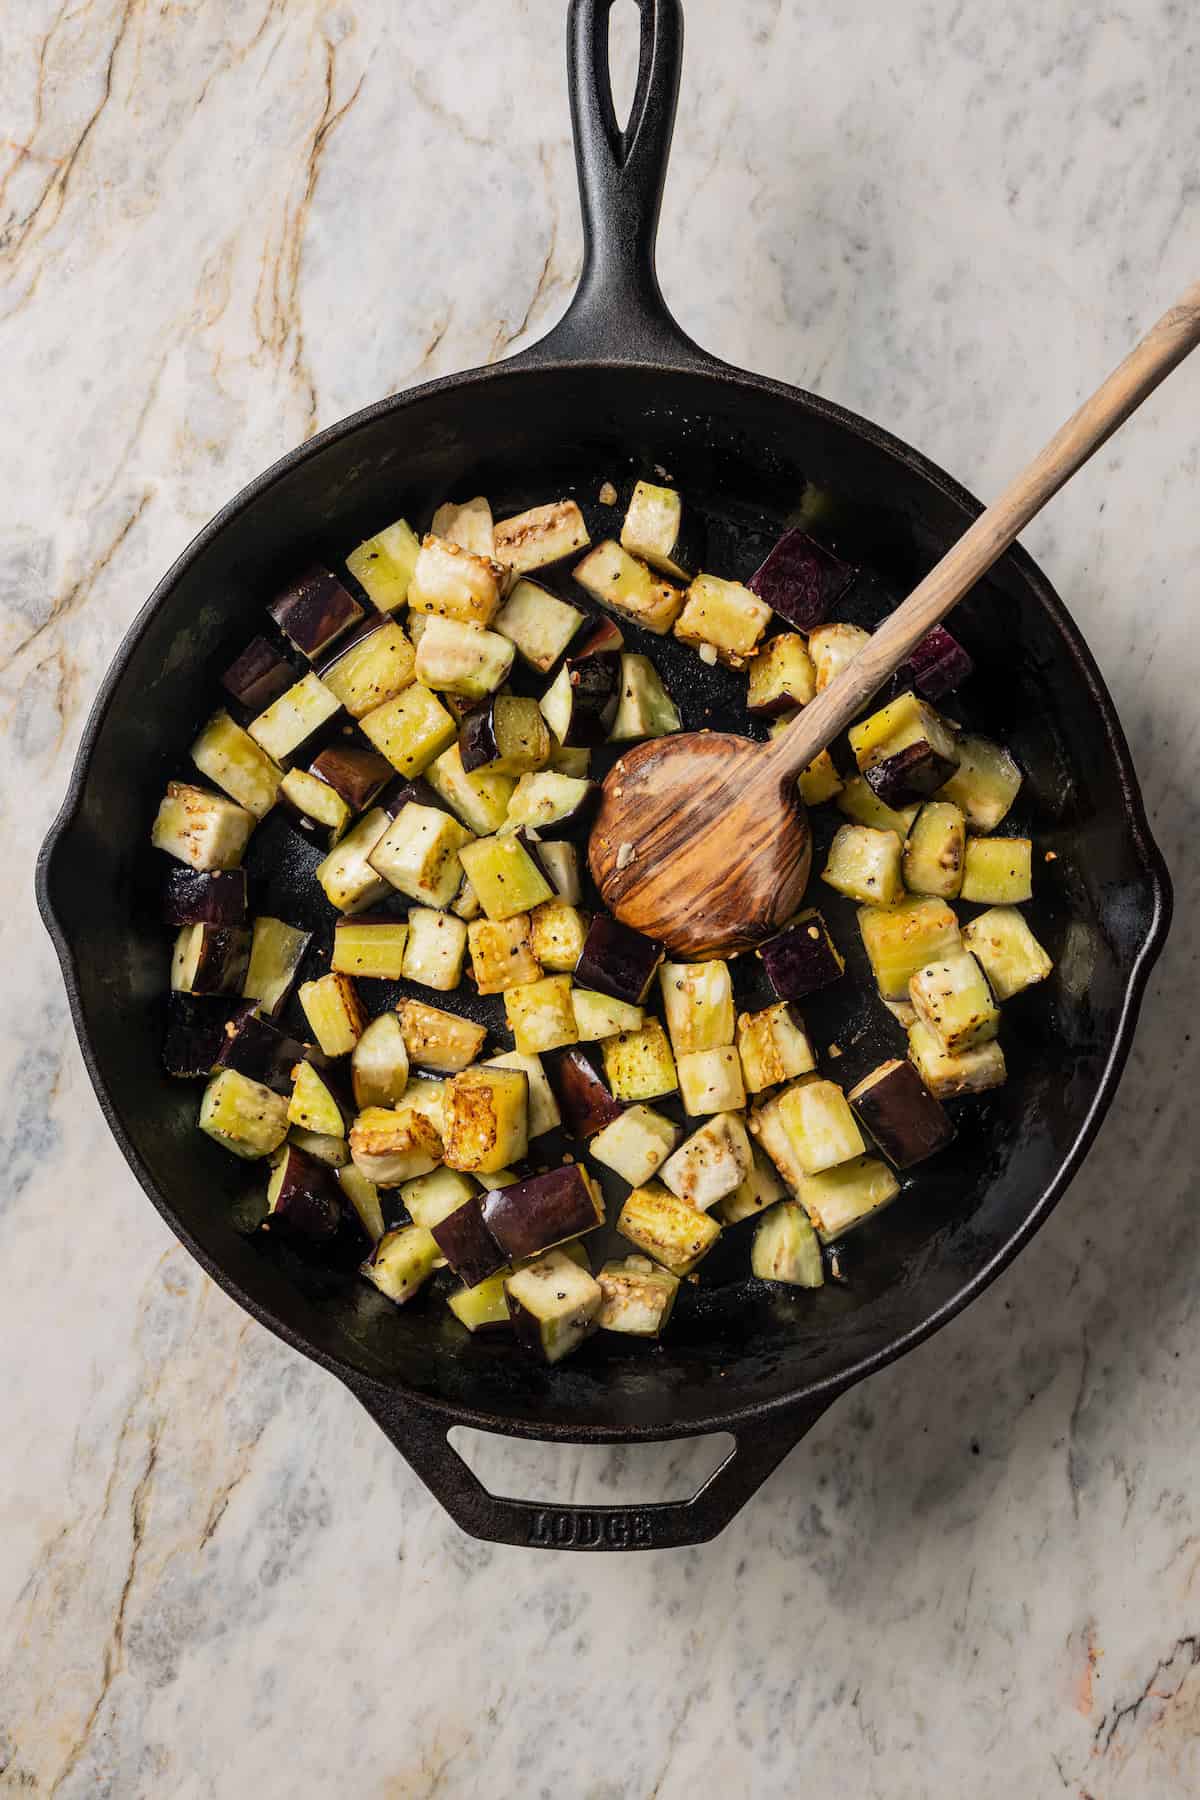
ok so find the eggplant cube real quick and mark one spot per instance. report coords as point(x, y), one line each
point(483, 1307)
point(861, 804)
point(363, 1196)
point(371, 947)
point(901, 1114)
point(724, 615)
point(277, 950)
point(832, 648)
point(558, 933)
point(304, 1198)
point(820, 781)
point(537, 623)
point(334, 1012)
point(935, 851)
point(644, 709)
point(527, 1217)
point(466, 522)
point(433, 1197)
point(543, 1107)
point(760, 1188)
point(773, 1046)
point(465, 904)
point(998, 871)
point(636, 1144)
point(616, 579)
point(487, 1119)
point(710, 1081)
point(639, 1064)
point(410, 730)
point(801, 580)
point(507, 736)
point(820, 1125)
point(543, 535)
point(502, 953)
point(258, 676)
point(947, 1074)
point(906, 751)
point(901, 939)
point(781, 676)
point(939, 663)
point(952, 997)
point(418, 854)
point(554, 1305)
point(313, 1105)
point(373, 667)
point(865, 865)
point(347, 878)
point(599, 1016)
point(786, 1248)
point(548, 799)
point(479, 797)
point(314, 611)
point(467, 1245)
point(463, 659)
point(435, 950)
point(768, 1125)
point(197, 1027)
point(289, 722)
point(842, 1197)
point(1011, 957)
point(617, 960)
point(243, 1115)
point(426, 1095)
point(561, 864)
point(540, 1015)
point(666, 1228)
point(698, 1005)
point(711, 1163)
point(357, 775)
point(587, 1106)
point(504, 876)
point(383, 565)
point(394, 1144)
point(450, 581)
point(230, 757)
point(803, 957)
point(209, 959)
point(439, 1040)
point(200, 828)
point(985, 783)
point(402, 1263)
point(637, 1297)
point(312, 805)
point(653, 527)
point(379, 1063)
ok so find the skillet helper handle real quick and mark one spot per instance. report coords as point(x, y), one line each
point(420, 1436)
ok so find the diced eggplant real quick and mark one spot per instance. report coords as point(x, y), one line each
point(666, 1228)
point(454, 583)
point(348, 880)
point(554, 1305)
point(540, 1015)
point(379, 1063)
point(363, 1196)
point(939, 664)
point(465, 904)
point(724, 616)
point(786, 1248)
point(935, 851)
point(599, 1016)
point(901, 1114)
point(371, 945)
point(313, 808)
point(439, 1040)
point(586, 1104)
point(907, 775)
point(711, 1163)
point(456, 658)
point(653, 530)
point(901, 939)
point(258, 676)
point(468, 523)
point(355, 774)
point(314, 1104)
point(782, 676)
point(486, 1113)
point(383, 565)
point(399, 793)
point(418, 854)
point(410, 730)
point(436, 948)
point(1011, 957)
point(998, 871)
point(502, 953)
point(617, 960)
point(532, 1216)
point(425, 1094)
point(392, 1144)
point(467, 1244)
point(859, 803)
point(580, 705)
point(548, 801)
point(637, 1297)
point(801, 580)
point(208, 959)
point(334, 1011)
point(698, 1005)
point(479, 798)
point(639, 1064)
point(768, 1124)
point(821, 1129)
point(507, 735)
point(254, 1047)
point(820, 781)
point(314, 610)
point(614, 578)
point(560, 862)
point(773, 1046)
point(760, 1188)
point(865, 865)
point(953, 999)
point(985, 784)
point(710, 1081)
point(293, 721)
point(230, 757)
point(543, 1108)
point(905, 751)
point(543, 535)
point(303, 1198)
point(558, 933)
point(505, 874)
point(803, 957)
point(334, 1152)
point(832, 648)
point(538, 623)
point(200, 828)
point(636, 1144)
point(946, 1074)
point(433, 1197)
point(205, 897)
point(838, 1199)
point(483, 1307)
point(277, 950)
point(401, 1263)
point(371, 666)
point(645, 709)
point(243, 1115)
point(196, 1031)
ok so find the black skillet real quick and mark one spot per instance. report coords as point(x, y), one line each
point(615, 390)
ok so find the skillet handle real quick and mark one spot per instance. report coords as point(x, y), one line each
point(419, 1434)
point(618, 313)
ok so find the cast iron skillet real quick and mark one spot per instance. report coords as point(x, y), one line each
point(613, 391)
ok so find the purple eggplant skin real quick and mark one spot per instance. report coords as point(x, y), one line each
point(912, 774)
point(801, 580)
point(356, 774)
point(618, 961)
point(256, 1048)
point(799, 962)
point(534, 1215)
point(396, 796)
point(595, 691)
point(901, 1114)
point(606, 639)
point(314, 610)
point(196, 1032)
point(939, 664)
point(258, 676)
point(193, 897)
point(221, 965)
point(467, 1245)
point(584, 1100)
point(477, 745)
point(308, 1206)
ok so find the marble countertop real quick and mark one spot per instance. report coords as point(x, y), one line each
point(223, 226)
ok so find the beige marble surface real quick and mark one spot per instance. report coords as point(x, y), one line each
point(223, 226)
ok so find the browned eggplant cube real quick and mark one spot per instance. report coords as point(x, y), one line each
point(901, 1114)
point(314, 610)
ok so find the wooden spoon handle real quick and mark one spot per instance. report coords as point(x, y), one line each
point(1163, 347)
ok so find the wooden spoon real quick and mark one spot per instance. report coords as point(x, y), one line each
point(701, 840)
